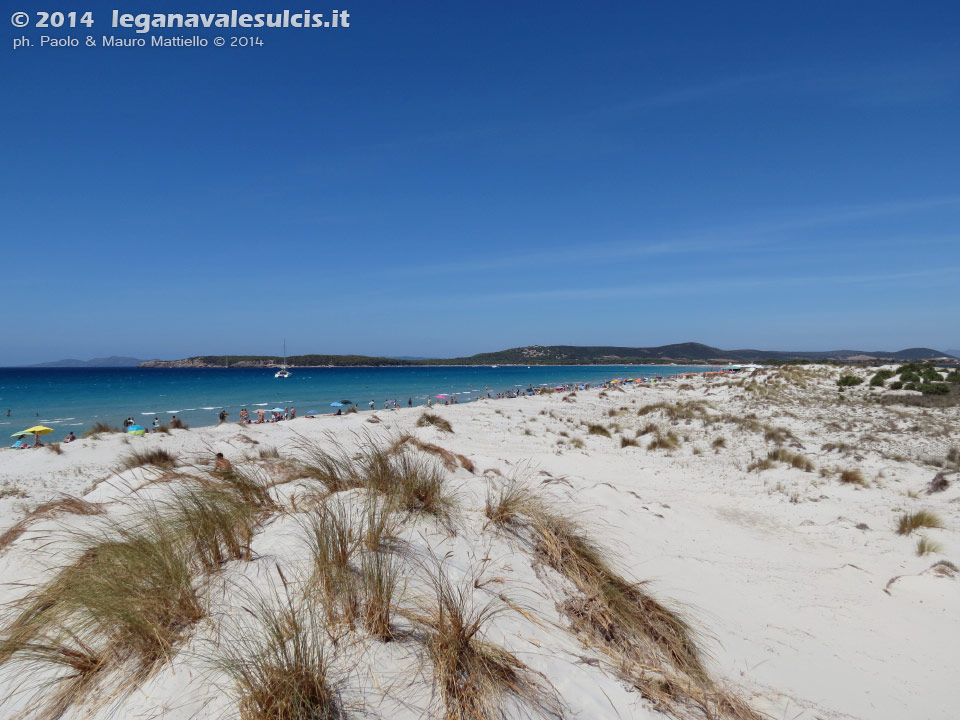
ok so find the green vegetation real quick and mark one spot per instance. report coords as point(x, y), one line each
point(849, 381)
point(881, 377)
point(909, 522)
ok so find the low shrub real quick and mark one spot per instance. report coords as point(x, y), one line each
point(849, 381)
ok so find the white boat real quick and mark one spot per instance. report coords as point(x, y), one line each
point(283, 372)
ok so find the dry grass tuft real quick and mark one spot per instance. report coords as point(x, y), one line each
point(664, 441)
point(97, 429)
point(908, 522)
point(793, 459)
point(129, 596)
point(853, 477)
point(380, 587)
point(594, 429)
point(281, 666)
point(67, 505)
point(925, 546)
point(476, 678)
point(440, 423)
point(217, 524)
point(158, 457)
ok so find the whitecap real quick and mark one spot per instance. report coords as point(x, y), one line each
point(172, 412)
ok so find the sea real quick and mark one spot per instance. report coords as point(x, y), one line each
point(75, 398)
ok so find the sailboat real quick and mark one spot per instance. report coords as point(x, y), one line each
point(283, 372)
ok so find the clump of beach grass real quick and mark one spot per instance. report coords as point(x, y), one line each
point(380, 586)
point(595, 429)
point(97, 429)
point(67, 505)
point(664, 441)
point(719, 442)
point(216, 523)
point(908, 522)
point(437, 421)
point(332, 540)
point(793, 459)
point(421, 487)
point(250, 483)
point(129, 596)
point(628, 442)
point(156, 457)
point(476, 678)
point(926, 546)
point(281, 667)
point(853, 477)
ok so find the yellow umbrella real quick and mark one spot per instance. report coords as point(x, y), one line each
point(35, 430)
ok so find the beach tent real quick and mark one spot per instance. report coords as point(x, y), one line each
point(135, 430)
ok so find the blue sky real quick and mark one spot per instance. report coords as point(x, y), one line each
point(448, 178)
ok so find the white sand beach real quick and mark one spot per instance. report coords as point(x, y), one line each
point(807, 602)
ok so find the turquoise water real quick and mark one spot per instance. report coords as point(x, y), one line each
point(75, 398)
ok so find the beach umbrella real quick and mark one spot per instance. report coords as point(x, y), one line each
point(134, 428)
point(336, 404)
point(277, 410)
point(441, 396)
point(36, 431)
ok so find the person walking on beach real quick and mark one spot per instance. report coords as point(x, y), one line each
point(372, 405)
point(409, 402)
point(156, 424)
point(293, 413)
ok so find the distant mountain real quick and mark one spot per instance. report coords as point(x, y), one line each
point(112, 361)
point(679, 352)
point(955, 352)
point(567, 355)
point(407, 357)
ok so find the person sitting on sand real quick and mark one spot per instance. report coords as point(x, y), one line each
point(70, 437)
point(223, 465)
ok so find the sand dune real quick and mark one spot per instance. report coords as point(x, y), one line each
point(724, 496)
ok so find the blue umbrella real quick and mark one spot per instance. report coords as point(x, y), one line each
point(336, 404)
point(134, 428)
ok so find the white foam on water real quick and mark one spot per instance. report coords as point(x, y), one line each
point(212, 408)
point(172, 412)
point(259, 404)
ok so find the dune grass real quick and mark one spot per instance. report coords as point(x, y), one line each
point(853, 477)
point(595, 429)
point(908, 522)
point(380, 587)
point(440, 423)
point(67, 505)
point(647, 643)
point(129, 594)
point(156, 457)
point(332, 541)
point(476, 679)
point(926, 546)
point(664, 441)
point(281, 666)
point(793, 459)
point(97, 429)
point(217, 524)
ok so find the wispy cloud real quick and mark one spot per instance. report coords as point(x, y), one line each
point(688, 287)
point(727, 239)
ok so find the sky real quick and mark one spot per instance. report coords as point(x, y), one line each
point(445, 178)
